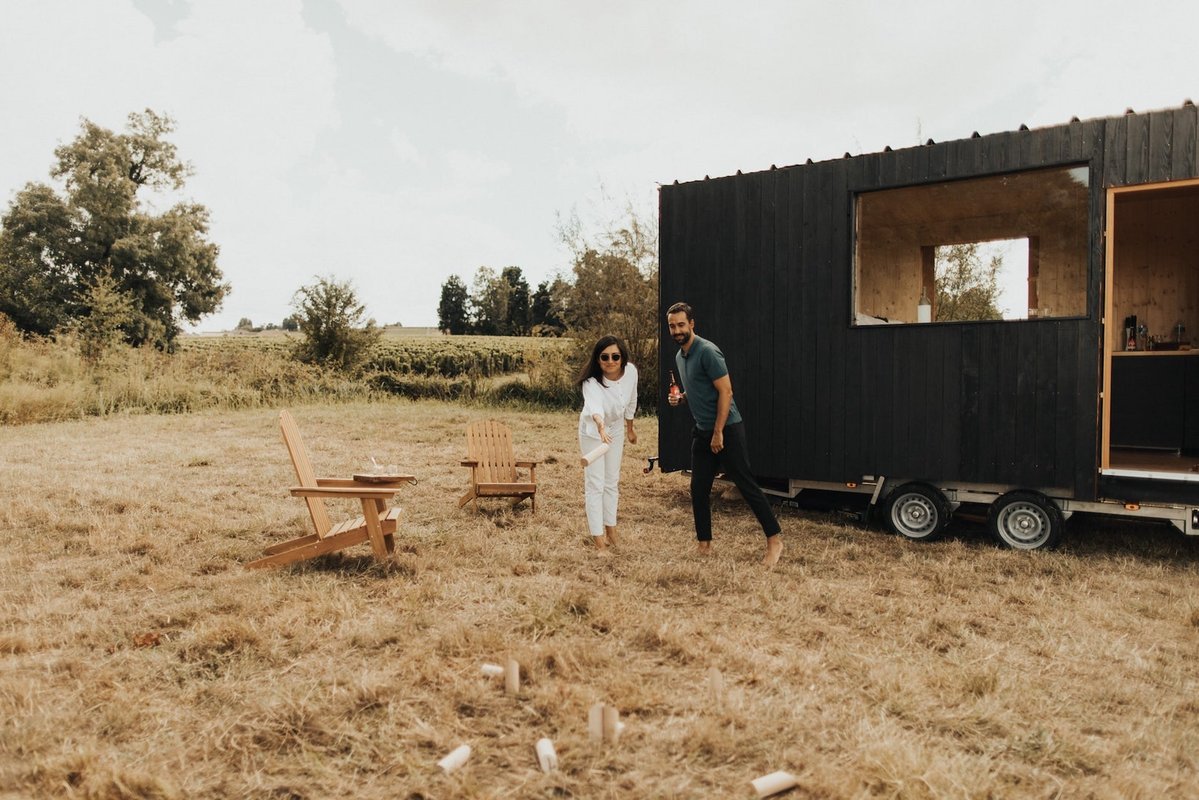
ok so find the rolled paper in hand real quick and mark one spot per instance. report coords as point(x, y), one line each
point(547, 756)
point(774, 783)
point(590, 458)
point(455, 759)
point(493, 670)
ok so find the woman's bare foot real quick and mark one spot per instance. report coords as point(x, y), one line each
point(610, 533)
point(703, 548)
point(601, 544)
point(774, 549)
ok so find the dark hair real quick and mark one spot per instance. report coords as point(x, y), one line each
point(592, 368)
point(681, 308)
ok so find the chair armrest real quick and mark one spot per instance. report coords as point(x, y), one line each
point(351, 492)
point(349, 482)
point(469, 462)
point(527, 463)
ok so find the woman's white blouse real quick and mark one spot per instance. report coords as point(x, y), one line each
point(614, 400)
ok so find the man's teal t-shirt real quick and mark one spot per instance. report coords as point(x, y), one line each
point(701, 365)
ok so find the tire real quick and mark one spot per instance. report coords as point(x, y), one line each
point(1024, 520)
point(917, 511)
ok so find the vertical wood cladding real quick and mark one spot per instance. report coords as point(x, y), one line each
point(766, 260)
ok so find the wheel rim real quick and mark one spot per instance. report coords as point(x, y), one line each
point(1024, 524)
point(914, 515)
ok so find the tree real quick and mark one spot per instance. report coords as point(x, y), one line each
point(290, 323)
point(53, 248)
point(547, 308)
point(452, 316)
point(966, 288)
point(516, 322)
point(38, 287)
point(615, 290)
point(106, 311)
point(489, 302)
point(245, 324)
point(333, 322)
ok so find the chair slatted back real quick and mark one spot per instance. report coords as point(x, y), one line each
point(304, 473)
point(490, 443)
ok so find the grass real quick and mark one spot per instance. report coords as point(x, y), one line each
point(48, 381)
point(139, 660)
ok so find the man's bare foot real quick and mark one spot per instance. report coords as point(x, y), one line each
point(703, 548)
point(610, 533)
point(601, 544)
point(774, 549)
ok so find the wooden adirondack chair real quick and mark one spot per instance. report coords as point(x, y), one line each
point(376, 525)
point(493, 467)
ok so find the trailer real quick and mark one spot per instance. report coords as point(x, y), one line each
point(841, 293)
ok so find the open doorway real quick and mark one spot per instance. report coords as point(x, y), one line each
point(1151, 332)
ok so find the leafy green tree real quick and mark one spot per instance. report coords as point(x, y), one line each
point(452, 314)
point(489, 302)
point(333, 322)
point(106, 311)
point(290, 323)
point(966, 287)
point(547, 308)
point(53, 248)
point(245, 324)
point(615, 290)
point(516, 322)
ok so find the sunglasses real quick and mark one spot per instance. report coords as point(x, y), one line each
point(609, 356)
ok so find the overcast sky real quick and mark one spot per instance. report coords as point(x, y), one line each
point(397, 142)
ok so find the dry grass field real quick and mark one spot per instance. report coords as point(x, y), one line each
point(139, 660)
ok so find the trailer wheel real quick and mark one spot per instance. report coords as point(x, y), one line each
point(1025, 520)
point(917, 511)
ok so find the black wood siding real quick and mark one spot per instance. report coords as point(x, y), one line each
point(766, 260)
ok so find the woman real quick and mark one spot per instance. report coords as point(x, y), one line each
point(609, 385)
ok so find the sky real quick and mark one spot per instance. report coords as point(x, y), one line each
point(394, 143)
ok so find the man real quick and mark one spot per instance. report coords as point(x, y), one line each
point(718, 439)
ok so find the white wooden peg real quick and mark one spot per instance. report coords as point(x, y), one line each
point(547, 756)
point(774, 783)
point(589, 458)
point(512, 677)
point(603, 724)
point(493, 670)
point(611, 721)
point(715, 687)
point(595, 722)
point(455, 759)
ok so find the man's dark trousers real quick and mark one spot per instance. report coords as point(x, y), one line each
point(734, 461)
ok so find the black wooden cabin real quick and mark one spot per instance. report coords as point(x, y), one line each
point(809, 279)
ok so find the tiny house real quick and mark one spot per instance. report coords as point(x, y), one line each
point(845, 295)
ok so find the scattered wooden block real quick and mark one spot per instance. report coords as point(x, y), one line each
point(512, 677)
point(589, 458)
point(610, 723)
point(715, 687)
point(595, 722)
point(603, 724)
point(455, 759)
point(547, 756)
point(774, 783)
